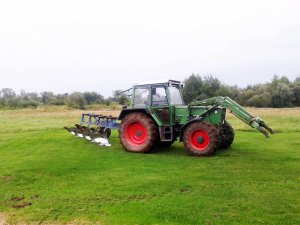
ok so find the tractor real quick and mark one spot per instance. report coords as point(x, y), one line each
point(157, 116)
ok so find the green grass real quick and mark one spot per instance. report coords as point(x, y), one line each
point(69, 180)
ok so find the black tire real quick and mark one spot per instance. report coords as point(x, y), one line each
point(226, 135)
point(138, 133)
point(200, 139)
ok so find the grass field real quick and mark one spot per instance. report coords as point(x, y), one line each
point(67, 180)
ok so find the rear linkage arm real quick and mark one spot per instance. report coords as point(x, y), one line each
point(238, 111)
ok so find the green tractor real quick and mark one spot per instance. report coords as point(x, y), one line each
point(157, 116)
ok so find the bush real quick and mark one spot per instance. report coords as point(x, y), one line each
point(27, 103)
point(76, 100)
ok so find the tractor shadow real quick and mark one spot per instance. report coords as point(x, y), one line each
point(176, 148)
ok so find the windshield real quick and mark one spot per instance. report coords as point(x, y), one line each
point(175, 96)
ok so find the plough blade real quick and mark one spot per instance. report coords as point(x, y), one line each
point(99, 133)
point(102, 141)
point(72, 130)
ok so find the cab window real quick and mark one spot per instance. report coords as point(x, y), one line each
point(141, 96)
point(175, 96)
point(159, 96)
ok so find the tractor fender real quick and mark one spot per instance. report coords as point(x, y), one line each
point(125, 112)
point(187, 124)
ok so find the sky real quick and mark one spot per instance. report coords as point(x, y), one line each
point(65, 46)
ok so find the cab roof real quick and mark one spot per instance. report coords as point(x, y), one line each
point(151, 82)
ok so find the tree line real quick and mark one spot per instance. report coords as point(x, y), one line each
point(10, 99)
point(279, 92)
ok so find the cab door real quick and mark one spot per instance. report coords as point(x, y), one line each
point(160, 104)
point(162, 109)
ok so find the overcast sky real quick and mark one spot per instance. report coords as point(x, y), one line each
point(64, 46)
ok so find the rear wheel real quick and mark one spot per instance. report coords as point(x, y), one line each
point(200, 139)
point(226, 135)
point(137, 132)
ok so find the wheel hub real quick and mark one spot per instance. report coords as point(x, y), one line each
point(200, 139)
point(138, 133)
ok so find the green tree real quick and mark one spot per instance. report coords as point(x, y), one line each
point(263, 95)
point(76, 100)
point(121, 97)
point(8, 93)
point(92, 97)
point(59, 99)
point(210, 86)
point(260, 100)
point(245, 95)
point(296, 91)
point(8, 97)
point(46, 97)
point(282, 96)
point(192, 88)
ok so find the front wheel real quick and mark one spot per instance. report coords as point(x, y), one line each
point(137, 132)
point(200, 139)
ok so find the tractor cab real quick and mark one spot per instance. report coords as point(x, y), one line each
point(163, 102)
point(152, 94)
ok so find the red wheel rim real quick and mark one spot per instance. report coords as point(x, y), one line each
point(199, 140)
point(135, 133)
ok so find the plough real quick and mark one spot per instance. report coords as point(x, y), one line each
point(95, 128)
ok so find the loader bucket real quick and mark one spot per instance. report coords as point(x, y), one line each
point(261, 126)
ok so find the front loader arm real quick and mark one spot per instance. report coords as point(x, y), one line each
point(238, 111)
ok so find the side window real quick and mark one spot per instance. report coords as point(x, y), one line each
point(159, 96)
point(141, 96)
point(175, 96)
